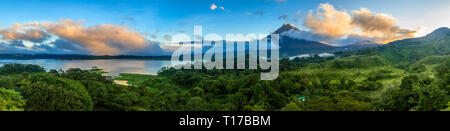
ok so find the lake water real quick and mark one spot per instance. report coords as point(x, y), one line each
point(114, 67)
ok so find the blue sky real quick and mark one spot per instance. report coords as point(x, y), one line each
point(171, 16)
point(167, 17)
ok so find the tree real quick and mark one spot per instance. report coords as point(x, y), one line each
point(415, 94)
point(448, 107)
point(45, 92)
point(97, 91)
point(337, 103)
point(11, 100)
point(7, 82)
point(197, 91)
point(292, 106)
point(196, 104)
point(54, 72)
point(431, 98)
point(78, 74)
point(9, 69)
point(443, 70)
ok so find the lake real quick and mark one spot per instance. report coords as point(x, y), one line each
point(114, 67)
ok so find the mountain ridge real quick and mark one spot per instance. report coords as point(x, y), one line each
point(290, 45)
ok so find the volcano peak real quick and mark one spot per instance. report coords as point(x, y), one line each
point(286, 27)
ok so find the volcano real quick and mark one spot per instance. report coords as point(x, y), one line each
point(285, 28)
point(292, 46)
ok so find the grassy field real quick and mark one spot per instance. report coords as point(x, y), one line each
point(133, 79)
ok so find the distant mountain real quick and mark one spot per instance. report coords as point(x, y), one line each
point(443, 31)
point(409, 51)
point(437, 35)
point(361, 45)
point(292, 47)
point(292, 44)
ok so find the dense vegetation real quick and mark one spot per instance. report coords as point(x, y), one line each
point(328, 85)
point(10, 100)
point(10, 69)
point(407, 75)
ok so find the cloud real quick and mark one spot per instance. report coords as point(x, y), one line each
point(65, 46)
point(283, 17)
point(333, 23)
point(59, 46)
point(74, 37)
point(213, 7)
point(128, 18)
point(153, 35)
point(298, 16)
point(329, 22)
point(260, 13)
point(103, 39)
point(308, 35)
point(381, 26)
point(21, 32)
point(152, 48)
point(167, 37)
point(256, 13)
